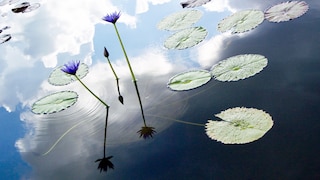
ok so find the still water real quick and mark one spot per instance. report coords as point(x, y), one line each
point(65, 145)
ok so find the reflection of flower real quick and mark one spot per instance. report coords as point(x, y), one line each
point(146, 132)
point(71, 67)
point(112, 18)
point(105, 163)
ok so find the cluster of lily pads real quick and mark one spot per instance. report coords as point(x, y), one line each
point(235, 125)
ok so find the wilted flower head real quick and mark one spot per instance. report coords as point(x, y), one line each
point(146, 132)
point(71, 67)
point(105, 163)
point(112, 18)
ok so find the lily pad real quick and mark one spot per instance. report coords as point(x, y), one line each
point(60, 78)
point(239, 67)
point(241, 21)
point(55, 102)
point(5, 38)
point(189, 80)
point(186, 38)
point(286, 11)
point(193, 3)
point(239, 125)
point(179, 20)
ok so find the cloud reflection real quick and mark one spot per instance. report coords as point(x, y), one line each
point(86, 117)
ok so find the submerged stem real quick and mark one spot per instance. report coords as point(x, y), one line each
point(142, 113)
point(91, 91)
point(176, 120)
point(105, 133)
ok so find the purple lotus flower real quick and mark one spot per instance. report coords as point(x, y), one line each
point(71, 67)
point(112, 18)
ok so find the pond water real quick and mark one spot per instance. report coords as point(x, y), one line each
point(65, 145)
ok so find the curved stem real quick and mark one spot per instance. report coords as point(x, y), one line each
point(176, 120)
point(91, 91)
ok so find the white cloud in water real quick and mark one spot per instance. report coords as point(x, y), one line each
point(87, 115)
point(142, 6)
point(45, 37)
point(209, 51)
point(218, 6)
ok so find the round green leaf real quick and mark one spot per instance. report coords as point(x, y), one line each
point(60, 78)
point(286, 11)
point(239, 67)
point(239, 125)
point(55, 102)
point(179, 20)
point(241, 21)
point(186, 38)
point(189, 80)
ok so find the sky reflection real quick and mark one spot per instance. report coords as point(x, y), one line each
point(50, 36)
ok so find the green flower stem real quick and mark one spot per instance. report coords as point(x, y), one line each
point(105, 133)
point(91, 92)
point(114, 72)
point(115, 75)
point(125, 53)
point(132, 74)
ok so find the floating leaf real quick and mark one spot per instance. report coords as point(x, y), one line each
point(241, 21)
point(32, 7)
point(186, 38)
point(5, 38)
point(55, 102)
point(193, 3)
point(239, 125)
point(239, 67)
point(189, 80)
point(286, 11)
point(179, 20)
point(60, 78)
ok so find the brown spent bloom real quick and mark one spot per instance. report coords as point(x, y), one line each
point(146, 132)
point(105, 163)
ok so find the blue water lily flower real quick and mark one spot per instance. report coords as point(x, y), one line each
point(112, 18)
point(71, 67)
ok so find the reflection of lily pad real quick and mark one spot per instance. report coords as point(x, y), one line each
point(189, 80)
point(55, 102)
point(5, 38)
point(186, 38)
point(60, 78)
point(32, 7)
point(239, 125)
point(241, 21)
point(193, 3)
point(286, 11)
point(179, 20)
point(239, 67)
